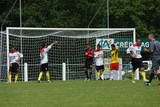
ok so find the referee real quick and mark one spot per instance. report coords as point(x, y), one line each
point(154, 51)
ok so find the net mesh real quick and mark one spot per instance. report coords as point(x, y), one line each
point(70, 49)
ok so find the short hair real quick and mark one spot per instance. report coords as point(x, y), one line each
point(113, 45)
point(152, 34)
point(138, 39)
point(11, 47)
point(99, 45)
point(88, 44)
point(43, 44)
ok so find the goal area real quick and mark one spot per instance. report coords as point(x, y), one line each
point(69, 51)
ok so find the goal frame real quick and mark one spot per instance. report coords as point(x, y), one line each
point(63, 29)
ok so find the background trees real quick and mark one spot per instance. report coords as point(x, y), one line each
point(140, 14)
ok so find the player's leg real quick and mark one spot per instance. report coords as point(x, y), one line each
point(134, 67)
point(16, 69)
point(41, 72)
point(133, 75)
point(111, 71)
point(90, 74)
point(97, 73)
point(143, 73)
point(99, 70)
point(48, 76)
point(153, 69)
point(117, 71)
point(40, 76)
point(158, 70)
point(158, 76)
point(47, 72)
point(10, 74)
point(102, 70)
point(86, 70)
point(90, 69)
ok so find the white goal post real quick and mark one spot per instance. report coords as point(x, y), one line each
point(69, 51)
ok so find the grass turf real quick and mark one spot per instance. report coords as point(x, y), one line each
point(79, 94)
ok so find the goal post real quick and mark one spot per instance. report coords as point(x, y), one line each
point(69, 50)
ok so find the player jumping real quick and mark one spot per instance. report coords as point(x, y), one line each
point(135, 52)
point(14, 58)
point(44, 61)
point(99, 61)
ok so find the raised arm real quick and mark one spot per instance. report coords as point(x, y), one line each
point(50, 46)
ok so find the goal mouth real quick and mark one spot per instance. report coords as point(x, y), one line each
point(70, 50)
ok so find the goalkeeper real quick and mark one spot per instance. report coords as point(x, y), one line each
point(44, 61)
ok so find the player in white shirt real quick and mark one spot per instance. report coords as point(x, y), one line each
point(14, 58)
point(44, 61)
point(99, 61)
point(135, 52)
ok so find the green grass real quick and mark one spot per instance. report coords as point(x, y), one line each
point(79, 94)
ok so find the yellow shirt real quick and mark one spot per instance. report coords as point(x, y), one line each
point(114, 56)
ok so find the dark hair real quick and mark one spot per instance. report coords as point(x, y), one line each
point(152, 34)
point(88, 44)
point(113, 45)
point(11, 46)
point(99, 45)
point(138, 39)
point(43, 45)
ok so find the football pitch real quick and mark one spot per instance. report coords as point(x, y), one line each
point(79, 94)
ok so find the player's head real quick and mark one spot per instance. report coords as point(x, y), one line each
point(88, 45)
point(43, 45)
point(113, 47)
point(98, 47)
point(138, 41)
point(12, 48)
point(151, 36)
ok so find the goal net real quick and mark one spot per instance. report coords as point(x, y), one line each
point(70, 48)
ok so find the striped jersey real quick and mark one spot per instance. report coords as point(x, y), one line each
point(44, 54)
point(14, 57)
point(135, 49)
point(98, 55)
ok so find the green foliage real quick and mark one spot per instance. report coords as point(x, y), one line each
point(140, 14)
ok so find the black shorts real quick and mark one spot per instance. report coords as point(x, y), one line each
point(137, 63)
point(156, 63)
point(44, 67)
point(98, 68)
point(88, 63)
point(14, 67)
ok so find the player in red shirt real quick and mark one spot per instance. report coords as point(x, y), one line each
point(88, 62)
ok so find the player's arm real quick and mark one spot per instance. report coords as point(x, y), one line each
point(130, 51)
point(117, 49)
point(50, 46)
point(95, 55)
point(20, 55)
point(151, 48)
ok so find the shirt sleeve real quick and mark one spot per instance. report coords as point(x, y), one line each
point(20, 55)
point(128, 51)
point(151, 46)
point(95, 55)
point(48, 48)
